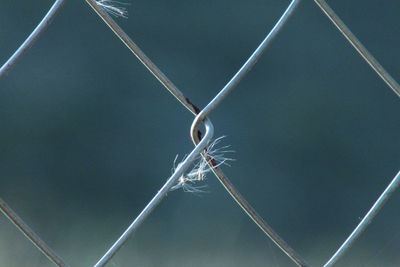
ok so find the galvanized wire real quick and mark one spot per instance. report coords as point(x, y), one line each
point(177, 93)
point(243, 71)
point(5, 68)
point(121, 34)
point(30, 234)
point(185, 101)
point(391, 82)
point(217, 100)
point(369, 58)
point(160, 195)
point(390, 189)
point(201, 147)
point(40, 28)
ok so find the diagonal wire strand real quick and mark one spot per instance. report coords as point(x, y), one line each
point(30, 234)
point(250, 211)
point(228, 88)
point(369, 58)
point(390, 189)
point(159, 196)
point(391, 82)
point(243, 71)
point(4, 70)
point(196, 135)
point(40, 28)
point(121, 34)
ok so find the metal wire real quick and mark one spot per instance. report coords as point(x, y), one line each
point(40, 28)
point(214, 103)
point(120, 33)
point(390, 189)
point(30, 234)
point(243, 71)
point(160, 195)
point(250, 211)
point(7, 66)
point(388, 79)
point(201, 147)
point(369, 58)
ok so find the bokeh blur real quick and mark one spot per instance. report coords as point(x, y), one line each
point(88, 136)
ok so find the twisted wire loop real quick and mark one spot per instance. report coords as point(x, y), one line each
point(243, 71)
point(390, 189)
point(226, 90)
point(250, 211)
point(30, 234)
point(40, 28)
point(369, 58)
point(196, 135)
point(160, 195)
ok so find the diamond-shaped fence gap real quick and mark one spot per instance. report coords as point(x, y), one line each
point(377, 67)
point(196, 135)
point(238, 118)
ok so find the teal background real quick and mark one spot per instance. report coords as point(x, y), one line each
point(88, 136)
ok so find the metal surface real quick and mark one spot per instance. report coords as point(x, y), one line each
point(40, 28)
point(390, 189)
point(388, 79)
point(160, 195)
point(214, 103)
point(142, 56)
point(201, 142)
point(243, 71)
point(369, 58)
point(249, 210)
point(30, 234)
point(7, 66)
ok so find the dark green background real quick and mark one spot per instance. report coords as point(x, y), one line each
point(88, 136)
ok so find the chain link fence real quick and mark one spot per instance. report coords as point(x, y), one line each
point(207, 161)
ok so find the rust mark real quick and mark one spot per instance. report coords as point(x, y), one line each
point(196, 109)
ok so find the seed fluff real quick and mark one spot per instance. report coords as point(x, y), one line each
point(115, 8)
point(189, 181)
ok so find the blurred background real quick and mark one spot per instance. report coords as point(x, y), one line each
point(88, 136)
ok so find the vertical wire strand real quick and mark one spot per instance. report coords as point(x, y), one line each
point(249, 210)
point(30, 234)
point(369, 58)
point(159, 196)
point(40, 28)
point(390, 189)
